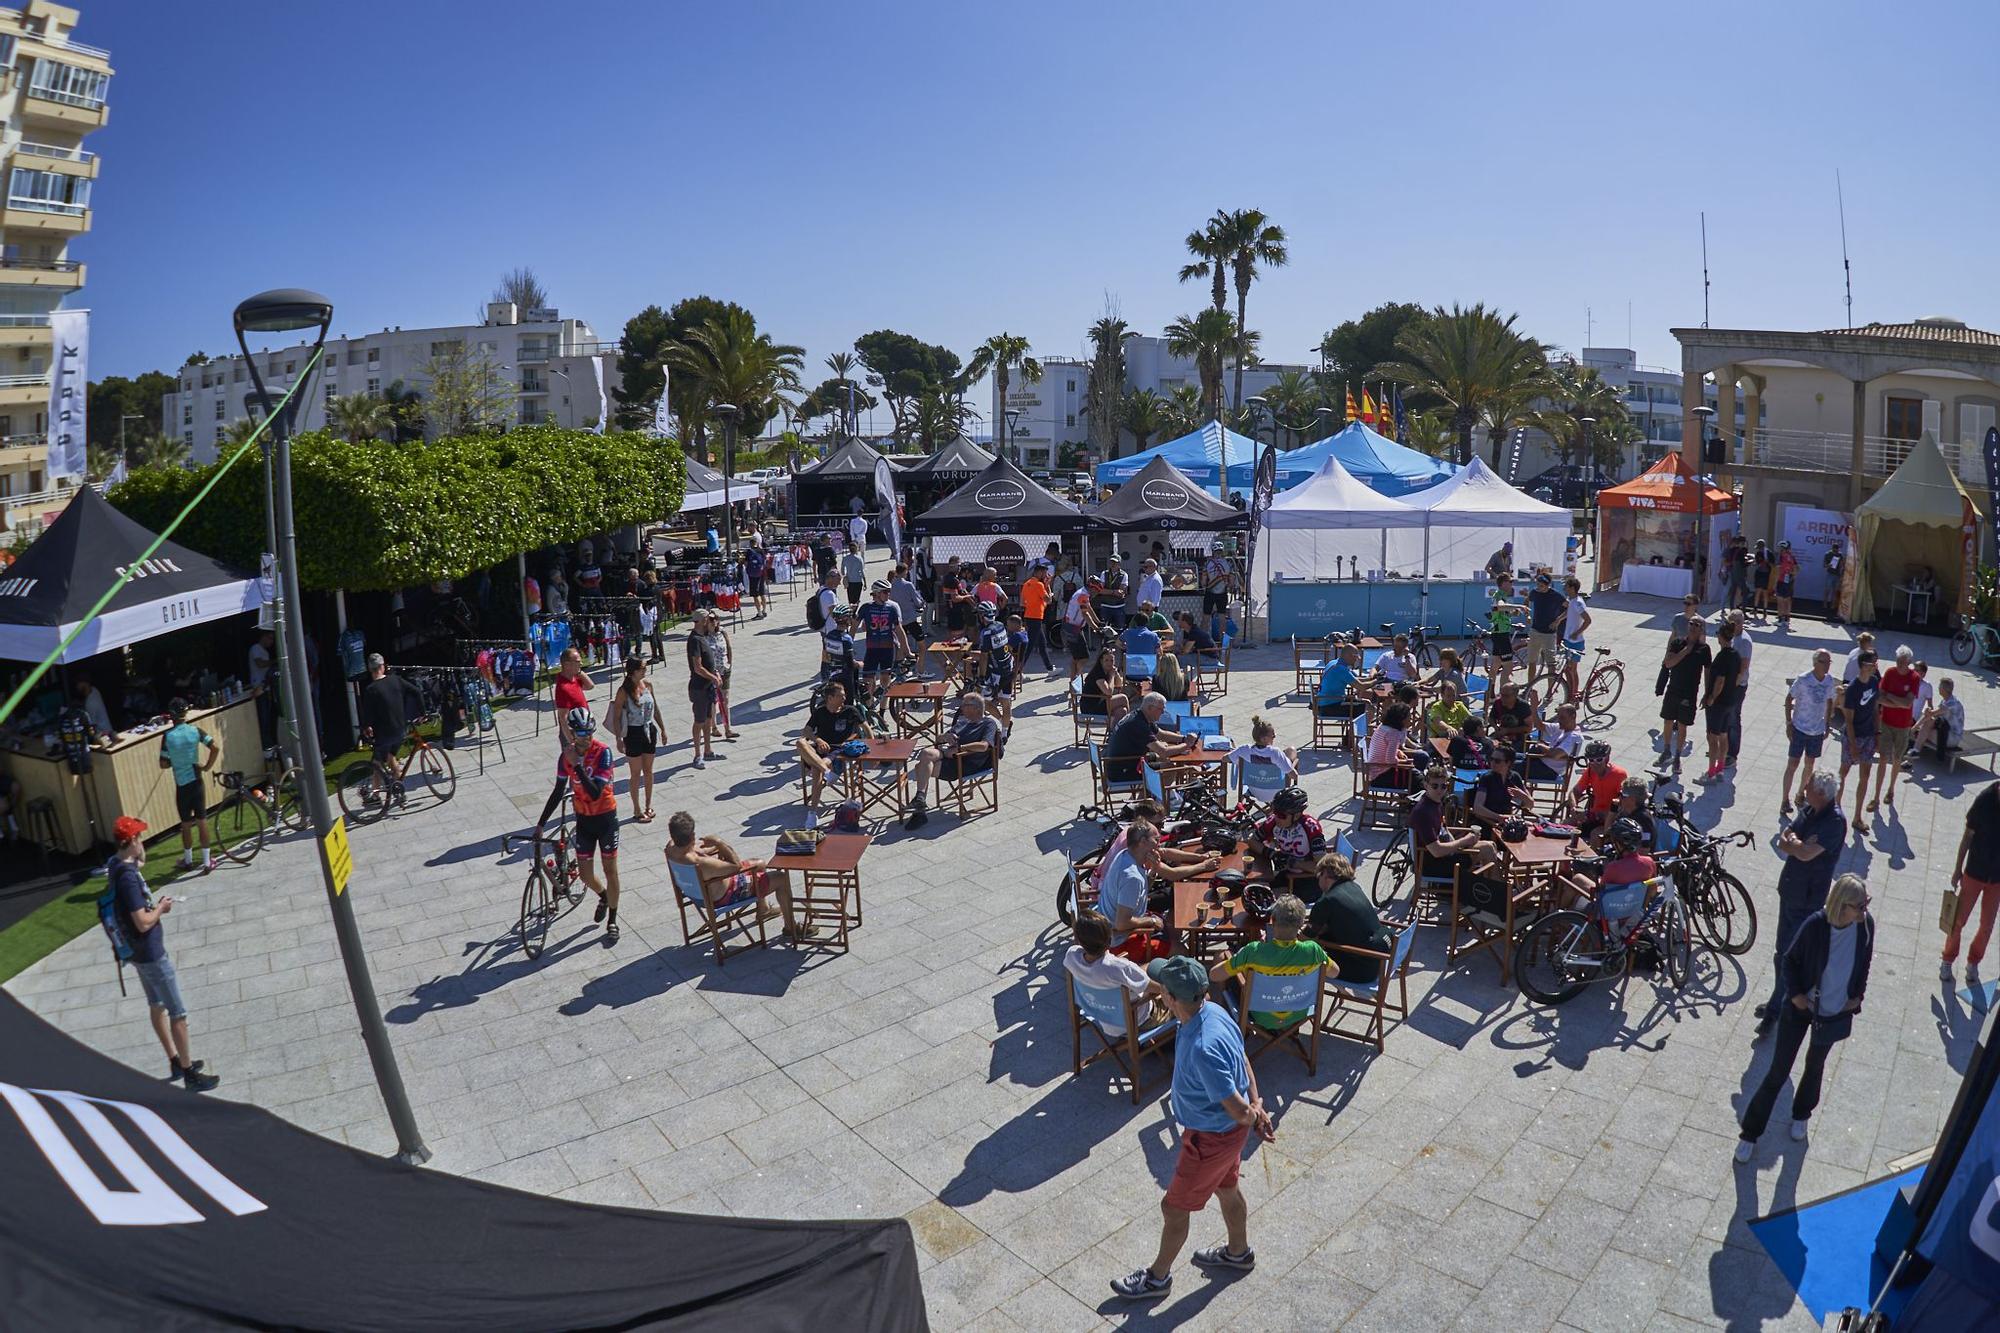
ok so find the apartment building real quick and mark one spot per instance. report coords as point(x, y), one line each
point(543, 365)
point(52, 95)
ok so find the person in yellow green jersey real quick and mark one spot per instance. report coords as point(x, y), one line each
point(1283, 955)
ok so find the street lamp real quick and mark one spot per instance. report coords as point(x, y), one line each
point(1702, 416)
point(1011, 437)
point(728, 412)
point(1590, 486)
point(569, 398)
point(1324, 417)
point(281, 311)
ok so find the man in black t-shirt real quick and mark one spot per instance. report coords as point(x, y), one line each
point(1721, 700)
point(387, 705)
point(1545, 615)
point(1976, 876)
point(1686, 660)
point(830, 726)
point(1511, 717)
point(1137, 737)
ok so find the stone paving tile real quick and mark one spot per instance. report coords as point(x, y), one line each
point(1498, 1165)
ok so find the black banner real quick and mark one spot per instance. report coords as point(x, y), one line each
point(128, 1202)
point(1993, 488)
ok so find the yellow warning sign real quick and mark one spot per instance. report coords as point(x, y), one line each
point(339, 860)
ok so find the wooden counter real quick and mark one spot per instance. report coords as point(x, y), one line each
point(125, 778)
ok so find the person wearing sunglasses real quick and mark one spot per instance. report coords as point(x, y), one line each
point(1441, 851)
point(1825, 978)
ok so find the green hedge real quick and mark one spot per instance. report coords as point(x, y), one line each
point(375, 516)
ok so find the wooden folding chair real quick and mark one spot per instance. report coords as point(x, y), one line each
point(1095, 1007)
point(1108, 793)
point(1309, 658)
point(1303, 993)
point(1492, 930)
point(689, 893)
point(1369, 1000)
point(1333, 731)
point(970, 793)
point(1087, 725)
point(1377, 803)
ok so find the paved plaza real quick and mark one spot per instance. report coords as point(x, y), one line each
point(1499, 1166)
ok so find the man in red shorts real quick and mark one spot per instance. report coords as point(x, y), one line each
point(1215, 1099)
point(727, 879)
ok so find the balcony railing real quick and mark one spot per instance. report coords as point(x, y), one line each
point(47, 206)
point(23, 381)
point(71, 44)
point(56, 151)
point(529, 353)
point(42, 265)
point(24, 321)
point(1828, 451)
point(67, 99)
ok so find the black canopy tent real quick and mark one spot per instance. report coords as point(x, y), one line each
point(933, 478)
point(823, 492)
point(129, 1202)
point(999, 518)
point(1160, 498)
point(49, 590)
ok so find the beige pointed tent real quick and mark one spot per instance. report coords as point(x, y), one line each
point(1921, 517)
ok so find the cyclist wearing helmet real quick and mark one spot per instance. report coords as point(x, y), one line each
point(994, 668)
point(1291, 836)
point(1621, 886)
point(1597, 787)
point(883, 640)
point(837, 657)
point(584, 772)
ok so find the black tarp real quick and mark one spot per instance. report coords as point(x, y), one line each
point(1160, 497)
point(956, 463)
point(825, 490)
point(1000, 499)
point(55, 582)
point(851, 462)
point(223, 1215)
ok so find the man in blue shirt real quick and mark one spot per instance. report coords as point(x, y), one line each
point(180, 750)
point(139, 920)
point(1811, 848)
point(1215, 1099)
point(1335, 682)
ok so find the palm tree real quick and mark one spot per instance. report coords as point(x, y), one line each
point(729, 361)
point(1183, 413)
point(940, 417)
point(358, 416)
point(843, 365)
point(1432, 432)
point(1472, 361)
point(100, 460)
point(161, 451)
point(1145, 414)
point(1207, 338)
point(1104, 391)
point(1251, 239)
point(406, 413)
point(1293, 397)
point(1002, 354)
point(1211, 251)
point(1581, 392)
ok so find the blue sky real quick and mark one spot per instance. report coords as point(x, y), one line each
point(923, 167)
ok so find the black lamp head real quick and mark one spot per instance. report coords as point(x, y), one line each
point(727, 411)
point(282, 309)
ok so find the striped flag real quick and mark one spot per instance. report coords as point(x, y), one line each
point(1367, 406)
point(1353, 412)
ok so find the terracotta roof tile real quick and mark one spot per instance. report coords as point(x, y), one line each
point(1941, 333)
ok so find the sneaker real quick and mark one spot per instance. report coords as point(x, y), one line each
point(1218, 1256)
point(194, 1080)
point(1744, 1149)
point(1798, 1131)
point(698, 762)
point(918, 817)
point(1140, 1284)
point(1972, 976)
point(174, 1069)
point(603, 910)
point(207, 862)
point(1944, 971)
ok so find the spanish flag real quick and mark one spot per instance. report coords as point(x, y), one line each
point(1367, 407)
point(1353, 412)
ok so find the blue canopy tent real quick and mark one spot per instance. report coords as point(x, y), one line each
point(1375, 460)
point(1201, 456)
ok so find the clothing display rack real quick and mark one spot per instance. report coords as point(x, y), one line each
point(509, 667)
point(448, 690)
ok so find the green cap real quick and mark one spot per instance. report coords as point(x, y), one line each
point(1180, 976)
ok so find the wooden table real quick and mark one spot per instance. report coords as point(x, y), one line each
point(880, 778)
point(1213, 766)
point(829, 885)
point(1200, 919)
point(904, 696)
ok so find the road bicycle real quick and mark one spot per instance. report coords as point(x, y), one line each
point(1976, 640)
point(1564, 953)
point(1723, 910)
point(550, 889)
point(1479, 653)
point(1601, 688)
point(369, 790)
point(1393, 863)
point(1421, 646)
point(244, 819)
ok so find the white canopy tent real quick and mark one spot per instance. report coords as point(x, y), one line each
point(1332, 525)
point(1471, 514)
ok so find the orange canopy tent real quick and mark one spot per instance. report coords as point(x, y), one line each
point(1650, 519)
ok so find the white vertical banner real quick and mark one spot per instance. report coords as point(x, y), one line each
point(662, 421)
point(68, 449)
point(603, 398)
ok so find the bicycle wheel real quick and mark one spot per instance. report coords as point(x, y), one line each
point(1392, 867)
point(1558, 956)
point(1725, 913)
point(239, 827)
point(289, 803)
point(354, 791)
point(536, 913)
point(1675, 941)
point(1963, 646)
point(1427, 656)
point(432, 774)
point(1601, 691)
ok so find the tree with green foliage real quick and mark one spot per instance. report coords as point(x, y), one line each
point(465, 391)
point(115, 397)
point(939, 418)
point(1250, 239)
point(1353, 349)
point(1208, 338)
point(406, 412)
point(1295, 399)
point(642, 350)
point(1184, 412)
point(523, 288)
point(831, 399)
point(1211, 250)
point(726, 360)
point(1004, 354)
point(358, 416)
point(1578, 391)
point(1144, 413)
point(849, 399)
point(376, 516)
point(1104, 391)
point(906, 370)
point(1472, 361)
point(159, 451)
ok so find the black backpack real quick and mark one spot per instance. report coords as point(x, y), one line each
point(815, 613)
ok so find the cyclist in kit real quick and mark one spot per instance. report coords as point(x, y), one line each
point(883, 641)
point(584, 771)
point(996, 653)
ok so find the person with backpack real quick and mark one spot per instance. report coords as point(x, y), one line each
point(134, 923)
point(819, 606)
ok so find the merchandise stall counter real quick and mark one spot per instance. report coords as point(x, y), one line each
point(1314, 608)
point(125, 776)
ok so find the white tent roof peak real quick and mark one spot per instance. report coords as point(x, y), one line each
point(1333, 497)
point(1478, 490)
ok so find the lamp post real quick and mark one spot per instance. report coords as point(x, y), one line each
point(728, 412)
point(281, 311)
point(123, 418)
point(1012, 436)
point(1323, 418)
point(569, 398)
point(1702, 416)
point(1590, 486)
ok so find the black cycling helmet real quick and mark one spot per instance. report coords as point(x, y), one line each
point(1597, 750)
point(1628, 832)
point(1290, 801)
